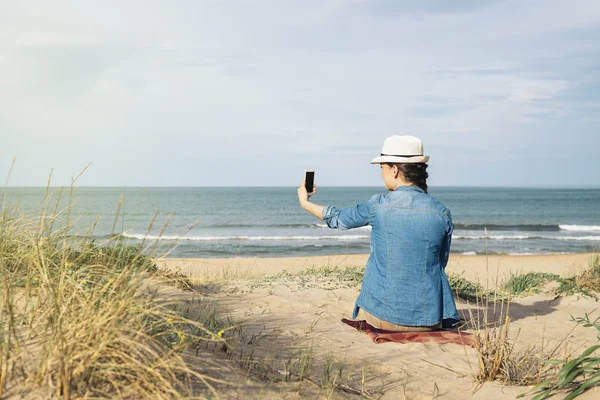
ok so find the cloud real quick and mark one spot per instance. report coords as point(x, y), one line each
point(163, 91)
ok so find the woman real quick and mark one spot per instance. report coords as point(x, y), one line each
point(404, 287)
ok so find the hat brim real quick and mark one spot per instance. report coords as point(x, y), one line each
point(399, 160)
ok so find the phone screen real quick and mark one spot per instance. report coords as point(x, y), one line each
point(309, 177)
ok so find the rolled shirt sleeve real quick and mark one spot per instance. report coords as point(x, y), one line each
point(445, 252)
point(351, 217)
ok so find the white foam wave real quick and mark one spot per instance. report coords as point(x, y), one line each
point(592, 238)
point(469, 253)
point(537, 254)
point(345, 237)
point(497, 237)
point(526, 237)
point(580, 228)
point(219, 238)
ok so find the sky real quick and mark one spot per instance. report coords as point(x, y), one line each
point(250, 93)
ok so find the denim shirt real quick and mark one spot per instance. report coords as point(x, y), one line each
point(404, 281)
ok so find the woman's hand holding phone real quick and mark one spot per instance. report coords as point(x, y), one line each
point(303, 194)
point(307, 187)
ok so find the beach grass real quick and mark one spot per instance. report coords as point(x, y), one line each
point(529, 283)
point(325, 277)
point(536, 364)
point(585, 283)
point(576, 375)
point(499, 359)
point(200, 276)
point(79, 319)
point(464, 289)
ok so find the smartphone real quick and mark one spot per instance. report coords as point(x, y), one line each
point(309, 179)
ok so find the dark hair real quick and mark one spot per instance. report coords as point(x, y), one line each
point(414, 173)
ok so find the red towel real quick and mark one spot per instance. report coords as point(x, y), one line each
point(437, 337)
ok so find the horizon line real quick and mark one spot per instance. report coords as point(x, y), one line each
point(282, 187)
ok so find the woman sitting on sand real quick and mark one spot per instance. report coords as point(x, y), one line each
point(404, 287)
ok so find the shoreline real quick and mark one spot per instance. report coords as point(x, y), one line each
point(473, 267)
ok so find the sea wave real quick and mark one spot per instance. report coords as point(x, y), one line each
point(227, 225)
point(537, 254)
point(497, 237)
point(580, 228)
point(507, 227)
point(221, 238)
point(527, 227)
point(346, 237)
point(527, 237)
point(592, 238)
point(511, 227)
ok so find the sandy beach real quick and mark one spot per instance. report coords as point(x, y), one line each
point(287, 315)
point(476, 268)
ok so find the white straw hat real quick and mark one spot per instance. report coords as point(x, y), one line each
point(401, 149)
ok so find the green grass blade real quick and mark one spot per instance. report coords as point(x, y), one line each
point(554, 362)
point(568, 369)
point(541, 385)
point(570, 378)
point(543, 395)
point(581, 388)
point(589, 351)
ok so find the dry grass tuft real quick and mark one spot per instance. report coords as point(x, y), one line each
point(588, 280)
point(175, 278)
point(77, 320)
point(493, 347)
point(498, 358)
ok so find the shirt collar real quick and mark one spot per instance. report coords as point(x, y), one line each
point(409, 188)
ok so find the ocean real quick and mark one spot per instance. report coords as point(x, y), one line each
point(268, 222)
